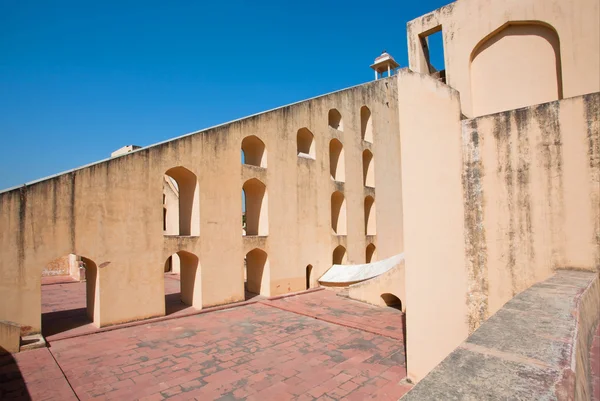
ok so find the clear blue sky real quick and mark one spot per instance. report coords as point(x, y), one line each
point(79, 79)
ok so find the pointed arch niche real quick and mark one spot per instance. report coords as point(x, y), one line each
point(305, 141)
point(531, 75)
point(368, 169)
point(256, 203)
point(181, 202)
point(335, 120)
point(337, 164)
point(366, 124)
point(254, 152)
point(370, 216)
point(370, 254)
point(257, 273)
point(339, 256)
point(338, 213)
point(185, 288)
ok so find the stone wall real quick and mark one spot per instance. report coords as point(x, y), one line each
point(536, 347)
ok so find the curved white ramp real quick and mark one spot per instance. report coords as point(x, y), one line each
point(354, 273)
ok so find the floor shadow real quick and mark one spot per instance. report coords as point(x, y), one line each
point(249, 295)
point(12, 384)
point(174, 304)
point(64, 320)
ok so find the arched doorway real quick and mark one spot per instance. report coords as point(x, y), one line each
point(182, 280)
point(69, 294)
point(257, 275)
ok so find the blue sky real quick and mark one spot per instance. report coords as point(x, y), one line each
point(79, 79)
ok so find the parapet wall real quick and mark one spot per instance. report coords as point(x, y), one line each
point(536, 347)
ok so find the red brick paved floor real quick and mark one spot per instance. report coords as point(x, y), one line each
point(595, 362)
point(64, 305)
point(33, 375)
point(253, 352)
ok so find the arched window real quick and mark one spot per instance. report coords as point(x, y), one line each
point(335, 120)
point(531, 75)
point(370, 254)
point(338, 213)
point(256, 203)
point(370, 216)
point(336, 160)
point(305, 141)
point(308, 275)
point(366, 125)
point(183, 284)
point(254, 152)
point(181, 202)
point(339, 255)
point(368, 169)
point(257, 273)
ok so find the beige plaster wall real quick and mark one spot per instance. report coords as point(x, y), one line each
point(436, 281)
point(390, 282)
point(518, 67)
point(532, 198)
point(111, 212)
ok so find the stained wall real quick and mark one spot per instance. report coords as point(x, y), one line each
point(112, 212)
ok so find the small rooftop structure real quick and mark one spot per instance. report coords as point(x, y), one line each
point(385, 62)
point(124, 150)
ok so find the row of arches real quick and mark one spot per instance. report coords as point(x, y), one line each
point(366, 124)
point(254, 154)
point(338, 214)
point(339, 256)
point(181, 207)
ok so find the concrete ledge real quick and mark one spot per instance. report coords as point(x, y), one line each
point(535, 347)
point(10, 337)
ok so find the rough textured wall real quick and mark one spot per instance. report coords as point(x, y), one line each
point(112, 212)
point(466, 24)
point(531, 192)
point(535, 348)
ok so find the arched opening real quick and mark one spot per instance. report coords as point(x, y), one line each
point(257, 274)
point(336, 160)
point(368, 169)
point(370, 216)
point(254, 152)
point(70, 294)
point(338, 213)
point(339, 255)
point(370, 254)
point(305, 141)
point(308, 275)
point(392, 301)
point(256, 204)
point(531, 75)
point(335, 120)
point(181, 202)
point(366, 125)
point(182, 279)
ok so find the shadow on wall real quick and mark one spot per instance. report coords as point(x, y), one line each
point(12, 384)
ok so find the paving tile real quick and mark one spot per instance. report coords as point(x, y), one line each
point(256, 351)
